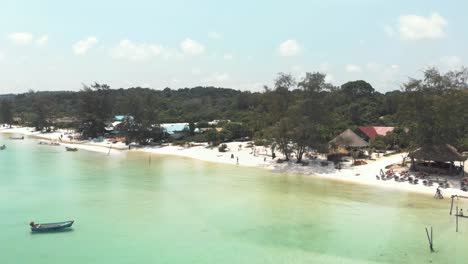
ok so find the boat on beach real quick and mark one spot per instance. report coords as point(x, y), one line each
point(71, 149)
point(49, 143)
point(17, 138)
point(50, 227)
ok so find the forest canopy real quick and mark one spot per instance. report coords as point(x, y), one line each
point(307, 112)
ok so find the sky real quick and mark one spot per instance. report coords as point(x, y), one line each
point(59, 45)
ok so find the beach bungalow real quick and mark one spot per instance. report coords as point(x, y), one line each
point(438, 159)
point(371, 132)
point(176, 130)
point(344, 143)
point(349, 139)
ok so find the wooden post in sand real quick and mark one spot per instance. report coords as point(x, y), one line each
point(456, 216)
point(451, 205)
point(430, 240)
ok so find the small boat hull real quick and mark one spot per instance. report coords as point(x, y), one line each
point(71, 149)
point(51, 227)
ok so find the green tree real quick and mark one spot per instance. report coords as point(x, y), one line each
point(6, 112)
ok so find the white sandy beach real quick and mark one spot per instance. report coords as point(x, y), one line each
point(243, 155)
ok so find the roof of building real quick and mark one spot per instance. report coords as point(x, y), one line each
point(349, 139)
point(374, 131)
point(119, 117)
point(172, 128)
point(441, 153)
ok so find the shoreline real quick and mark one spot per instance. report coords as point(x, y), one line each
point(240, 154)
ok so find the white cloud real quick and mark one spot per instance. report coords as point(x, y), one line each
point(214, 35)
point(2, 55)
point(191, 47)
point(196, 71)
point(82, 46)
point(329, 78)
point(352, 68)
point(21, 38)
point(324, 67)
point(289, 48)
point(413, 27)
point(216, 78)
point(395, 67)
point(135, 51)
point(228, 56)
point(451, 62)
point(373, 67)
point(297, 69)
point(42, 40)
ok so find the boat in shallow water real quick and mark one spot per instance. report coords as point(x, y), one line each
point(50, 227)
point(2, 147)
point(71, 149)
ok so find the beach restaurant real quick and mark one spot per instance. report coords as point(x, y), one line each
point(437, 159)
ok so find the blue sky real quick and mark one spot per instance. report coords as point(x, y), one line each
point(57, 45)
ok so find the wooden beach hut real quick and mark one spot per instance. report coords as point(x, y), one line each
point(349, 139)
point(438, 159)
point(344, 144)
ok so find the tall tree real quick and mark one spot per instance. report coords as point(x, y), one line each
point(96, 109)
point(6, 112)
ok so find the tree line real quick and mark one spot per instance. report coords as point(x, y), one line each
point(295, 114)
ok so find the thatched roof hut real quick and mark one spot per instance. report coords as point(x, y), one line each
point(349, 139)
point(439, 153)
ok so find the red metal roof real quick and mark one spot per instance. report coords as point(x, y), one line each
point(374, 131)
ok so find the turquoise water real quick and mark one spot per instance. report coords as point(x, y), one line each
point(172, 210)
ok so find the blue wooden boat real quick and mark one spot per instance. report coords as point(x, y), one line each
point(50, 227)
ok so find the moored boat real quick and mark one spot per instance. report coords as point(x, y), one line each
point(45, 142)
point(2, 147)
point(71, 149)
point(17, 138)
point(49, 227)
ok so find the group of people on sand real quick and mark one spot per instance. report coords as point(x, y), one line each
point(232, 156)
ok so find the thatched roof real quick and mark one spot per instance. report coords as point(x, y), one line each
point(441, 153)
point(349, 139)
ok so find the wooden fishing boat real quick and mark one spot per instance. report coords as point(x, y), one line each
point(17, 138)
point(45, 142)
point(71, 149)
point(50, 227)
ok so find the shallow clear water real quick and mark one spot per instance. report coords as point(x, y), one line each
point(172, 210)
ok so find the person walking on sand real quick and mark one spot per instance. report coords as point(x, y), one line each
point(237, 160)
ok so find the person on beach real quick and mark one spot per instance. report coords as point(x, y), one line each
point(438, 194)
point(32, 224)
point(232, 156)
point(237, 160)
point(461, 212)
